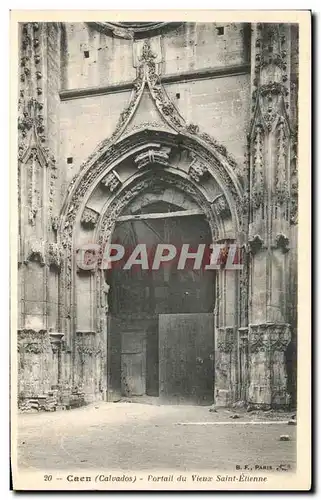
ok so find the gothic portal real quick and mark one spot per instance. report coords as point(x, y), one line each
point(154, 133)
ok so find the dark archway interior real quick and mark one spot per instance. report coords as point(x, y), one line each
point(139, 300)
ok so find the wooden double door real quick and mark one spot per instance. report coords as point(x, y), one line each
point(169, 355)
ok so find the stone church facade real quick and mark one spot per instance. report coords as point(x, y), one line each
point(114, 117)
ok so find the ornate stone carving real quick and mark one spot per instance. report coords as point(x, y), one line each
point(35, 251)
point(255, 244)
point(56, 340)
point(197, 170)
point(225, 339)
point(257, 192)
point(152, 156)
point(55, 223)
point(86, 346)
point(106, 155)
point(294, 179)
point(54, 255)
point(32, 341)
point(111, 181)
point(34, 197)
point(281, 183)
point(89, 217)
point(32, 139)
point(269, 337)
point(271, 81)
point(221, 207)
point(282, 241)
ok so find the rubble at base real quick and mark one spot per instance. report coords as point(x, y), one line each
point(56, 399)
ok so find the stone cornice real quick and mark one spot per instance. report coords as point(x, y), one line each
point(184, 76)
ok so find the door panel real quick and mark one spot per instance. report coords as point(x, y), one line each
point(114, 360)
point(133, 361)
point(186, 347)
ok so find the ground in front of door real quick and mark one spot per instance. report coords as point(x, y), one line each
point(143, 437)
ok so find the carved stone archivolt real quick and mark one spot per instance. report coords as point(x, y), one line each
point(269, 337)
point(223, 167)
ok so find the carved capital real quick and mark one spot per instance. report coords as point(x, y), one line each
point(282, 242)
point(269, 337)
point(56, 340)
point(255, 243)
point(32, 341)
point(89, 218)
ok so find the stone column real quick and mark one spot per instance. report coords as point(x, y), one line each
point(267, 374)
point(269, 224)
point(39, 254)
point(226, 344)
